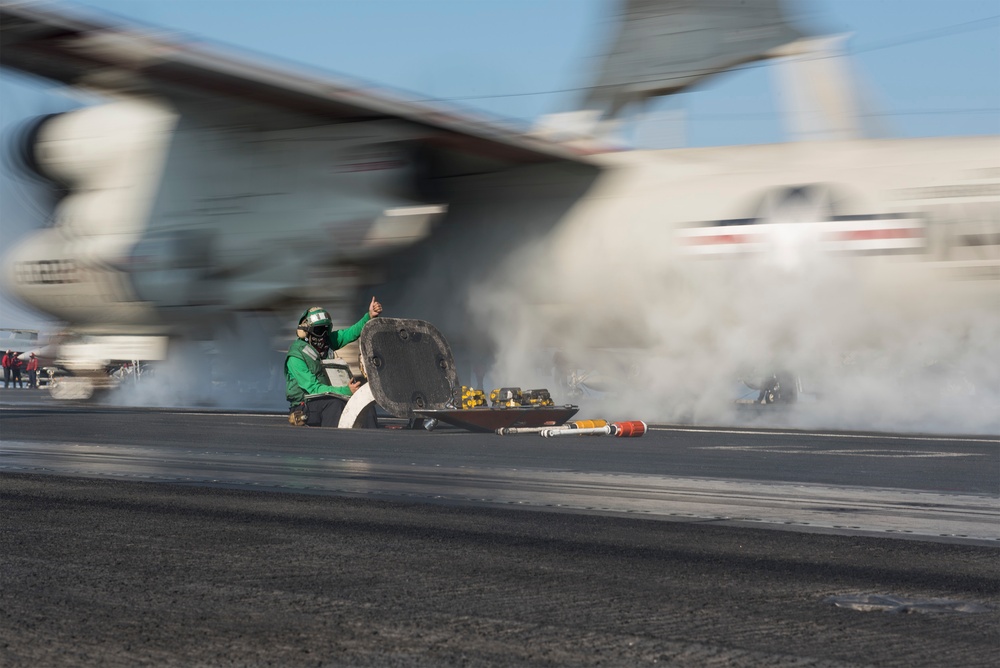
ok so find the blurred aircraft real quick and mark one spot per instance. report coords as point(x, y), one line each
point(208, 186)
point(23, 341)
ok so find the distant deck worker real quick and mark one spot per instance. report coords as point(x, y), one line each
point(312, 400)
point(32, 369)
point(7, 357)
point(16, 364)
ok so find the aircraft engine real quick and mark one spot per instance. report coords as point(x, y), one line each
point(109, 158)
point(22, 145)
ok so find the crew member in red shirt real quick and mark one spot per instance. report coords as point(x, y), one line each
point(32, 369)
point(16, 364)
point(8, 357)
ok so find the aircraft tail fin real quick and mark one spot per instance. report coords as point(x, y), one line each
point(821, 95)
point(665, 46)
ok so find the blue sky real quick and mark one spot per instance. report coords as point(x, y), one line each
point(932, 67)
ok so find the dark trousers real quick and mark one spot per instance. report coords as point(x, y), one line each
point(326, 412)
point(6, 377)
point(33, 379)
point(17, 378)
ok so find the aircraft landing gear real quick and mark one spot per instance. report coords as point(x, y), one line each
point(777, 388)
point(71, 388)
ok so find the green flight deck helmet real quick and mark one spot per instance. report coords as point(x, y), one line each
point(316, 321)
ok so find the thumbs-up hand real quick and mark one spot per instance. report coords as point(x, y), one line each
point(374, 309)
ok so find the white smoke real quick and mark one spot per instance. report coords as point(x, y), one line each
point(240, 367)
point(875, 343)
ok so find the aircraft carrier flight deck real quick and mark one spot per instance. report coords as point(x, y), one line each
point(181, 537)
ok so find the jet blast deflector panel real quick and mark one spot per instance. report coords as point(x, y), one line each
point(409, 366)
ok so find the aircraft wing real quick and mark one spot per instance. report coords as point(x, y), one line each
point(81, 51)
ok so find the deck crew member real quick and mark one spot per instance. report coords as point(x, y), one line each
point(312, 400)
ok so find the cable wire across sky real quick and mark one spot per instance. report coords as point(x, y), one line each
point(945, 31)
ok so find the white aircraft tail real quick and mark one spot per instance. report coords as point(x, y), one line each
point(820, 93)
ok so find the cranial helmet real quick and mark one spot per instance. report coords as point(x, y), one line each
point(314, 326)
point(315, 319)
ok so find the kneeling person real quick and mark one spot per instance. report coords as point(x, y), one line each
point(307, 386)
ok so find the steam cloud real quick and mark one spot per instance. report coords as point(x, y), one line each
point(877, 343)
point(239, 368)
